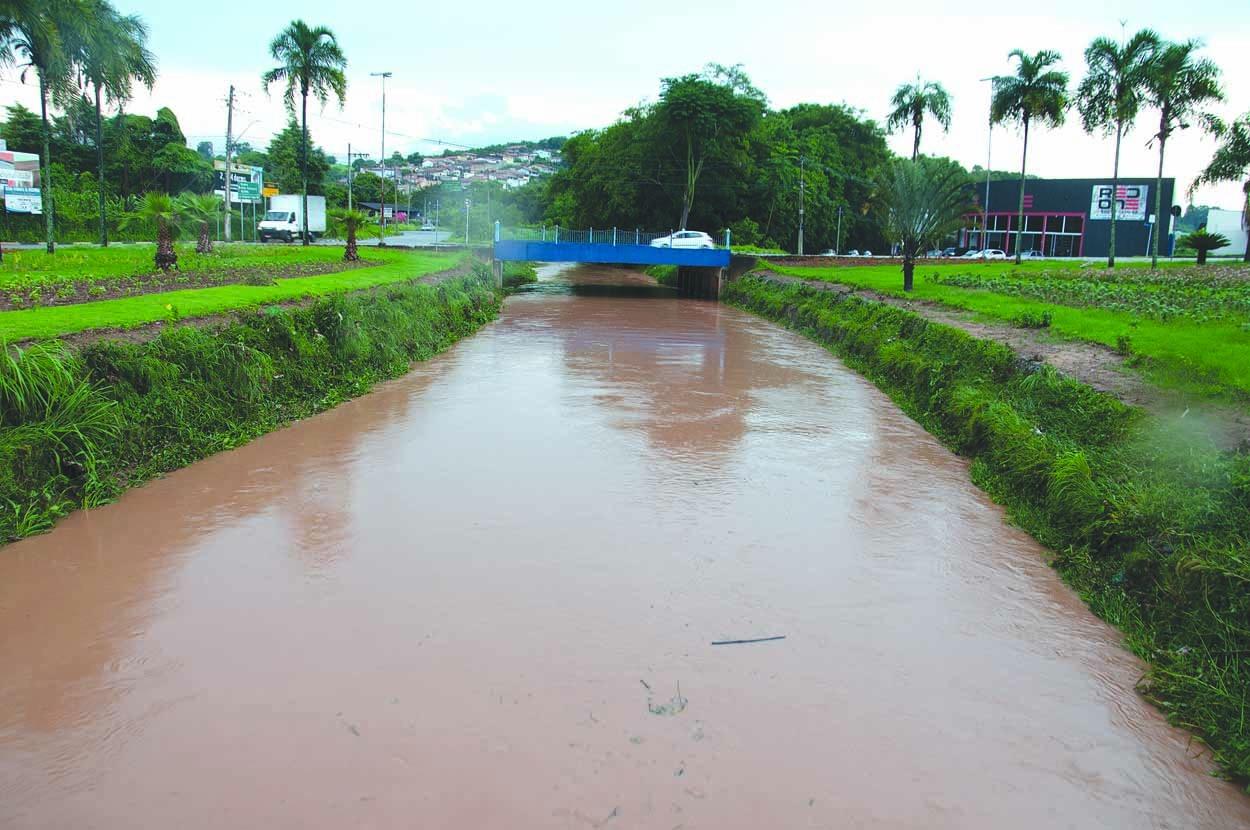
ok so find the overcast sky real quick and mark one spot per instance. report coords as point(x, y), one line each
point(476, 73)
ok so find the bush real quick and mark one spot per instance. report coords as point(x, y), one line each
point(80, 428)
point(1032, 320)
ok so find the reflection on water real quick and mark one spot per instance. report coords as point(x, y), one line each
point(451, 603)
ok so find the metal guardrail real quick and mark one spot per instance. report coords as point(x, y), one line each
point(591, 236)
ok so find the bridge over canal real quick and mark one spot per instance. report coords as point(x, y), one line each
point(700, 271)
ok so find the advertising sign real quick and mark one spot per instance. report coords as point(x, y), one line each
point(19, 169)
point(1130, 199)
point(23, 200)
point(239, 174)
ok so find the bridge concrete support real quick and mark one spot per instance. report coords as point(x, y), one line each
point(703, 283)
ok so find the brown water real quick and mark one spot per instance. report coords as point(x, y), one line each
point(468, 600)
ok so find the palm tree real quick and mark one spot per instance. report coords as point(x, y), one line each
point(111, 55)
point(922, 201)
point(160, 210)
point(347, 225)
point(1179, 86)
point(311, 63)
point(912, 101)
point(1035, 93)
point(34, 33)
point(1111, 94)
point(1230, 163)
point(202, 209)
point(1203, 242)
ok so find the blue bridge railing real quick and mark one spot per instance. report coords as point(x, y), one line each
point(595, 236)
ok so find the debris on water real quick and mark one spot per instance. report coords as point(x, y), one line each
point(644, 683)
point(675, 705)
point(352, 728)
point(752, 640)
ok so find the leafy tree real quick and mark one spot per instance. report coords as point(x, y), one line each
point(697, 121)
point(22, 130)
point(205, 149)
point(311, 62)
point(288, 167)
point(33, 36)
point(1230, 163)
point(1036, 93)
point(921, 202)
point(1111, 94)
point(347, 225)
point(1179, 85)
point(415, 159)
point(1203, 242)
point(201, 209)
point(911, 102)
point(159, 209)
point(111, 54)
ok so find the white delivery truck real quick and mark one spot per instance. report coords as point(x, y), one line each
point(282, 219)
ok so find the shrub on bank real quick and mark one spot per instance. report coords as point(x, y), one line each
point(1150, 526)
point(80, 428)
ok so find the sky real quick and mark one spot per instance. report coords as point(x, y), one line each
point(495, 71)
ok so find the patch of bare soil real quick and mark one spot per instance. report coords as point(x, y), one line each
point(159, 282)
point(1091, 363)
point(142, 334)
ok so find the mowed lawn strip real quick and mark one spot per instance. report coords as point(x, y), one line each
point(1211, 358)
point(128, 312)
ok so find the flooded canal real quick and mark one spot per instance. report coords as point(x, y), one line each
point(485, 596)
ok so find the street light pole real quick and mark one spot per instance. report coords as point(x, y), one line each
point(383, 76)
point(989, 143)
point(839, 248)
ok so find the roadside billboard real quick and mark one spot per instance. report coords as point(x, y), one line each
point(23, 199)
point(244, 174)
point(1130, 201)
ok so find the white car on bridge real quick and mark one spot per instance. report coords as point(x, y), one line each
point(684, 239)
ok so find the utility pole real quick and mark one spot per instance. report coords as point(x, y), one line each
point(802, 198)
point(383, 76)
point(989, 144)
point(838, 251)
point(351, 172)
point(226, 179)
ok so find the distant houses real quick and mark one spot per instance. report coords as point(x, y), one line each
point(513, 166)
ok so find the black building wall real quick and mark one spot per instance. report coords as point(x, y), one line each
point(1075, 196)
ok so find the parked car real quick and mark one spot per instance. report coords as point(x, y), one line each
point(428, 226)
point(866, 253)
point(993, 253)
point(684, 239)
point(1032, 255)
point(973, 254)
point(950, 252)
point(852, 252)
point(933, 254)
point(829, 252)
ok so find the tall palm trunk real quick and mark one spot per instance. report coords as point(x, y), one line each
point(1115, 191)
point(915, 147)
point(909, 264)
point(1024, 157)
point(350, 252)
point(1163, 140)
point(303, 166)
point(205, 243)
point(166, 258)
point(1245, 219)
point(99, 157)
point(45, 177)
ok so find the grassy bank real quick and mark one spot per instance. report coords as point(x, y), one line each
point(79, 428)
point(127, 312)
point(1149, 525)
point(1187, 327)
point(663, 274)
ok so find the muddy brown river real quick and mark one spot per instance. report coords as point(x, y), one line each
point(485, 596)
